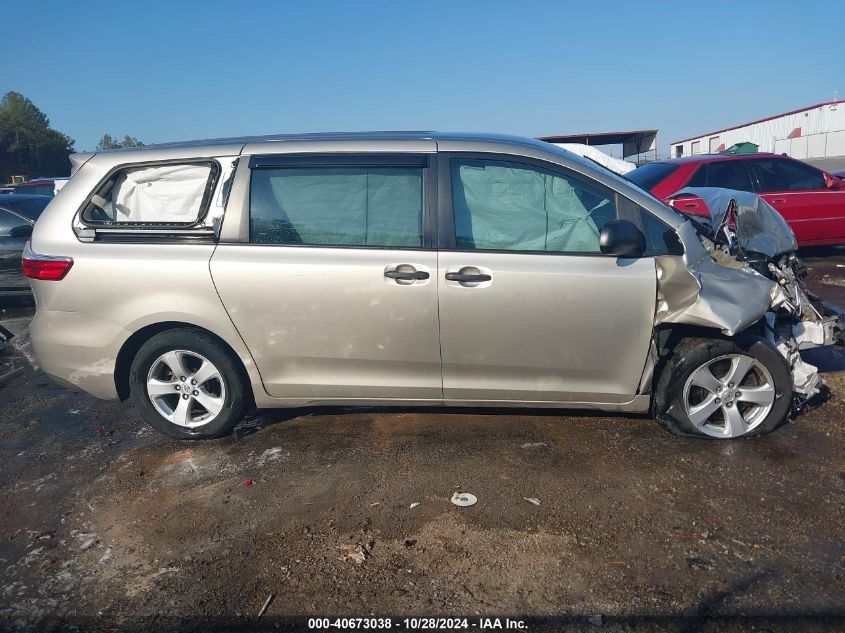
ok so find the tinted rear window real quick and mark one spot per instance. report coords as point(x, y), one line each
point(729, 174)
point(30, 207)
point(649, 175)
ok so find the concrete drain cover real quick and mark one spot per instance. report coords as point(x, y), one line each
point(464, 499)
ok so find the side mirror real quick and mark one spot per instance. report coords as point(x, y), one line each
point(622, 238)
point(832, 182)
point(22, 231)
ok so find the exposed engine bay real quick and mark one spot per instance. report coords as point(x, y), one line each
point(755, 249)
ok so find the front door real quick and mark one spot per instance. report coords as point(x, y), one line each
point(529, 308)
point(799, 192)
point(334, 291)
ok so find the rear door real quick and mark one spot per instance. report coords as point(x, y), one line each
point(530, 310)
point(799, 192)
point(332, 282)
point(729, 174)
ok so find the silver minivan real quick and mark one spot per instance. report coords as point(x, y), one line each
point(202, 279)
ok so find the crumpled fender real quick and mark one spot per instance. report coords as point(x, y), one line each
point(696, 290)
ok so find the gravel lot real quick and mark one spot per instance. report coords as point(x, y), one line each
point(106, 525)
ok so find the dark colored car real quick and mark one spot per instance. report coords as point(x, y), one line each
point(18, 213)
point(38, 187)
point(810, 200)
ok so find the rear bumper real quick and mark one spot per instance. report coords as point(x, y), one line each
point(78, 349)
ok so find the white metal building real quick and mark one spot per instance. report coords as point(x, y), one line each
point(814, 132)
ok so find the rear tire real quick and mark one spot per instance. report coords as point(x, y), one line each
point(723, 388)
point(188, 385)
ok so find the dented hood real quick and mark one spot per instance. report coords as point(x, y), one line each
point(759, 227)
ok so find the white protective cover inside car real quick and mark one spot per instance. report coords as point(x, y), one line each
point(616, 165)
point(169, 193)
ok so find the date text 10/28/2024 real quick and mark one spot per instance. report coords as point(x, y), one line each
point(417, 624)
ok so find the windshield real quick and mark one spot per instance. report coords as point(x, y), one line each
point(649, 175)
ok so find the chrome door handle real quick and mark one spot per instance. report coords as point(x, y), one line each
point(467, 277)
point(409, 275)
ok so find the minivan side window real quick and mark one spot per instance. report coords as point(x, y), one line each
point(500, 205)
point(777, 174)
point(153, 194)
point(730, 174)
point(337, 206)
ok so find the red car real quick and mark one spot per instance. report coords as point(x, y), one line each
point(39, 187)
point(811, 201)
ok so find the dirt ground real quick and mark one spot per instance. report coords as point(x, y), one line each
point(106, 525)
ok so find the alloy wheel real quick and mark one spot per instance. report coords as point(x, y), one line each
point(186, 388)
point(729, 396)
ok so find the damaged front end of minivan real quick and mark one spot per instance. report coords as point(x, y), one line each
point(740, 273)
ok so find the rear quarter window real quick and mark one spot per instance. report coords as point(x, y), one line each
point(171, 194)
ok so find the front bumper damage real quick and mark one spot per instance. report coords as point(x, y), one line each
point(740, 271)
point(813, 323)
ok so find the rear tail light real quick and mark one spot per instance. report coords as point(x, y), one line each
point(45, 267)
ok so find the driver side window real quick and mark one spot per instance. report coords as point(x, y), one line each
point(504, 206)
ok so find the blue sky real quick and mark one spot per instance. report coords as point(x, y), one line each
point(165, 71)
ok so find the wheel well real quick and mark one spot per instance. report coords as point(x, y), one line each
point(666, 338)
point(127, 354)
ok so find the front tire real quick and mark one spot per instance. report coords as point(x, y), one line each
point(188, 385)
point(724, 388)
